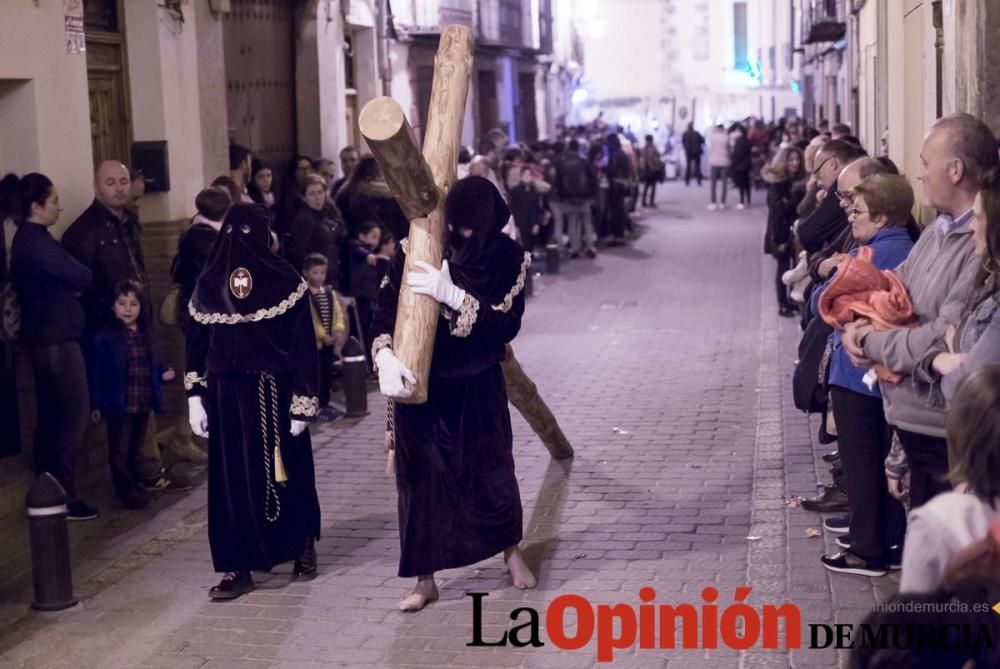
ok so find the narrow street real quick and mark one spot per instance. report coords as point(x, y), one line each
point(668, 367)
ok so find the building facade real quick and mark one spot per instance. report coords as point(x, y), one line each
point(889, 68)
point(700, 61)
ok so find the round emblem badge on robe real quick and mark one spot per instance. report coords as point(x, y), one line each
point(240, 283)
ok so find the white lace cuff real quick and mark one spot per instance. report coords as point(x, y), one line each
point(508, 300)
point(192, 379)
point(463, 319)
point(382, 341)
point(304, 407)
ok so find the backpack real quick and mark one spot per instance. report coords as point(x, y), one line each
point(573, 179)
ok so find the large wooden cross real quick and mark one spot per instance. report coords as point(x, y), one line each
point(420, 182)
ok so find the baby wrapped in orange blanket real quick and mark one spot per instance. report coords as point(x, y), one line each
point(859, 290)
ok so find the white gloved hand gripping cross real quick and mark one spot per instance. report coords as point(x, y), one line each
point(436, 283)
point(392, 375)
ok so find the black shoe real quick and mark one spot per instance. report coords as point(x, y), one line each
point(831, 457)
point(846, 562)
point(833, 500)
point(233, 585)
point(305, 566)
point(788, 312)
point(838, 524)
point(843, 541)
point(591, 253)
point(574, 255)
point(80, 510)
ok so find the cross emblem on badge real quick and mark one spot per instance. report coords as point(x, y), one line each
point(240, 283)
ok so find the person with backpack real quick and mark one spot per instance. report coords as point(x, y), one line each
point(576, 184)
point(49, 282)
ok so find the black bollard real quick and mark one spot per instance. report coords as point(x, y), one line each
point(552, 259)
point(50, 566)
point(529, 284)
point(355, 378)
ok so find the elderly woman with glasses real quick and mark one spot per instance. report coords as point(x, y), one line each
point(878, 210)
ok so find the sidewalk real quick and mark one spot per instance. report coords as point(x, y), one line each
point(669, 369)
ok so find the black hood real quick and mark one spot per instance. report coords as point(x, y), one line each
point(244, 280)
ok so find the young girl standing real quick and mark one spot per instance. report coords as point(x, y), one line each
point(124, 387)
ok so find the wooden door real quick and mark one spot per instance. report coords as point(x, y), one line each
point(489, 113)
point(259, 51)
point(110, 119)
point(527, 130)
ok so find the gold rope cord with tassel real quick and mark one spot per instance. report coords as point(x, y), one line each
point(390, 438)
point(274, 469)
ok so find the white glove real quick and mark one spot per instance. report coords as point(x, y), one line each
point(436, 283)
point(392, 374)
point(197, 417)
point(298, 427)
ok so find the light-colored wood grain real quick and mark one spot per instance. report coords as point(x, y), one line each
point(417, 315)
point(391, 140)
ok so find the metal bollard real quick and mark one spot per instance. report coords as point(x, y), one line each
point(51, 571)
point(355, 378)
point(552, 259)
point(529, 284)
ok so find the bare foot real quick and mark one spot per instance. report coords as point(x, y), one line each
point(519, 571)
point(424, 592)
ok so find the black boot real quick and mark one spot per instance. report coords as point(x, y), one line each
point(233, 585)
point(305, 566)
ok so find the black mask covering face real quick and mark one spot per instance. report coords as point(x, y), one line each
point(473, 203)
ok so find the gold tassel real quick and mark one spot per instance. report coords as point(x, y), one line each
point(280, 475)
point(390, 455)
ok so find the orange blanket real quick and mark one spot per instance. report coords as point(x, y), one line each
point(860, 290)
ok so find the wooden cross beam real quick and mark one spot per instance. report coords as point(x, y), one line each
point(420, 181)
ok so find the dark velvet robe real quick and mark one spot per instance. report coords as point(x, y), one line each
point(253, 361)
point(458, 499)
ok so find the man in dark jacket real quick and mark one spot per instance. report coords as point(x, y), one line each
point(828, 220)
point(694, 145)
point(105, 238)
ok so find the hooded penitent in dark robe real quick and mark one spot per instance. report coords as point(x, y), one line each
point(458, 498)
point(251, 356)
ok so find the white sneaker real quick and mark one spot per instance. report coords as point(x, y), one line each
point(722, 206)
point(712, 207)
point(741, 206)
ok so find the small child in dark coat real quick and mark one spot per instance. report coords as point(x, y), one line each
point(362, 272)
point(527, 205)
point(125, 383)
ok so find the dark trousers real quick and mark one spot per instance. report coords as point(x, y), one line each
point(693, 166)
point(649, 188)
point(927, 458)
point(617, 213)
point(63, 410)
point(878, 520)
point(784, 263)
point(126, 436)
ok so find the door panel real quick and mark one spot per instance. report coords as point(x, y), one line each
point(259, 52)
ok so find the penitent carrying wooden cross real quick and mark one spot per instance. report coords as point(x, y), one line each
point(420, 182)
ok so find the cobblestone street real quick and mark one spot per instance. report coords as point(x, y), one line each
point(668, 368)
